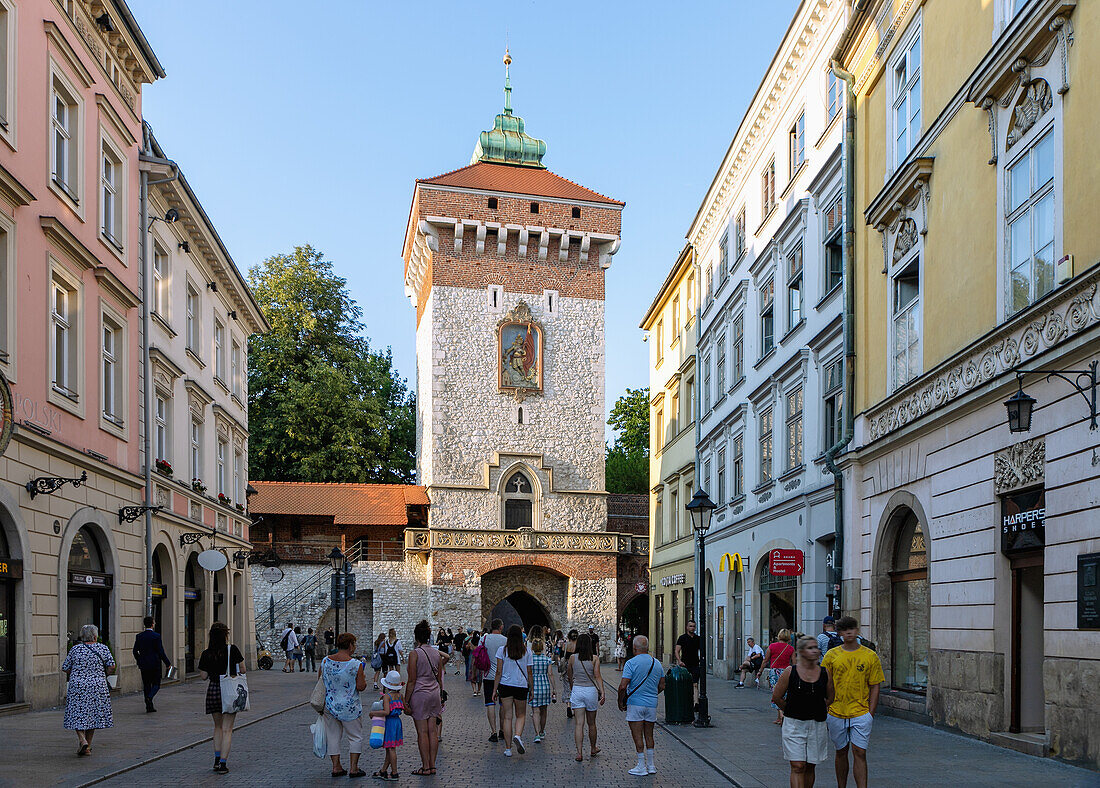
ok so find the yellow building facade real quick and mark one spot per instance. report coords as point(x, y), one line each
point(670, 324)
point(976, 256)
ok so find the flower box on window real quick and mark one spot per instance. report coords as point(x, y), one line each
point(198, 486)
point(163, 467)
point(224, 499)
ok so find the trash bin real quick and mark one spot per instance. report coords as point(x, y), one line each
point(679, 697)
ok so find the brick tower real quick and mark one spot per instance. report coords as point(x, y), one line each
point(504, 264)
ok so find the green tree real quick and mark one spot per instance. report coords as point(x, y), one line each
point(323, 406)
point(627, 464)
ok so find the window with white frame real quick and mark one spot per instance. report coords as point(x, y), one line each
point(1030, 197)
point(64, 140)
point(738, 465)
point(111, 383)
point(706, 475)
point(673, 416)
point(219, 351)
point(721, 486)
point(494, 298)
point(706, 383)
point(192, 319)
point(7, 292)
point(238, 478)
point(765, 442)
point(196, 449)
point(235, 368)
point(905, 68)
point(906, 322)
point(659, 428)
point(65, 346)
point(794, 428)
point(689, 401)
point(724, 256)
point(767, 317)
point(834, 96)
point(833, 398)
point(222, 450)
point(160, 280)
point(710, 281)
point(738, 343)
point(659, 336)
point(767, 189)
point(7, 61)
point(111, 199)
point(794, 287)
point(739, 234)
point(796, 144)
point(834, 253)
point(163, 441)
point(675, 333)
point(689, 298)
point(720, 367)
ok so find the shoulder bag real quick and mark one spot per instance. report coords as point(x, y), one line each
point(317, 697)
point(442, 692)
point(234, 688)
point(112, 680)
point(624, 696)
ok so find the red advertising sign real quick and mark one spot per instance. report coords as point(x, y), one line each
point(786, 562)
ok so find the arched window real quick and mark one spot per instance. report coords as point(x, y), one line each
point(910, 607)
point(85, 555)
point(5, 552)
point(519, 501)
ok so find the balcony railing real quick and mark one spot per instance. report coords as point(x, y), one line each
point(422, 540)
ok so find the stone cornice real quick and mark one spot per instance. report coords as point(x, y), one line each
point(12, 190)
point(68, 54)
point(110, 283)
point(1066, 313)
point(525, 540)
point(906, 184)
point(63, 239)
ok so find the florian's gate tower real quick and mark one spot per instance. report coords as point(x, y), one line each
point(504, 263)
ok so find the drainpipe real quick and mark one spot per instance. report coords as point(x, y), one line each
point(147, 162)
point(848, 326)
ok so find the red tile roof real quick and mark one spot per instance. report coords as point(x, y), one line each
point(348, 504)
point(517, 180)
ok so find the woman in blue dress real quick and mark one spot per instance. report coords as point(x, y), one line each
point(344, 679)
point(88, 696)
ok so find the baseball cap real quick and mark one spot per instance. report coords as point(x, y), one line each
point(828, 620)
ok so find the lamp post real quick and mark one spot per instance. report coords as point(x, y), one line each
point(336, 561)
point(700, 508)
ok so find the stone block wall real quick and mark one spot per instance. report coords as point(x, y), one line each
point(1072, 690)
point(967, 691)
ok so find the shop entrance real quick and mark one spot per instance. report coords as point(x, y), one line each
point(11, 571)
point(1027, 643)
point(777, 604)
point(89, 588)
point(194, 624)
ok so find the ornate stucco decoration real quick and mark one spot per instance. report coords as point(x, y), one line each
point(900, 211)
point(1072, 310)
point(1020, 465)
point(524, 540)
point(906, 238)
point(1007, 76)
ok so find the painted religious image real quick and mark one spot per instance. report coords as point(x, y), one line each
point(520, 356)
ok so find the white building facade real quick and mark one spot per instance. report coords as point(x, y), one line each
point(770, 355)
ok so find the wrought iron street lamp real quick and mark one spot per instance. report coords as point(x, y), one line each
point(336, 561)
point(700, 508)
point(1020, 405)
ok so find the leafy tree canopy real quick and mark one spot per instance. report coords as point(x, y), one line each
point(627, 464)
point(323, 406)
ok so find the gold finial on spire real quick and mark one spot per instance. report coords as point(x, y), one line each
point(507, 57)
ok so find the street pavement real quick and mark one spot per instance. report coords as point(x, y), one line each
point(272, 746)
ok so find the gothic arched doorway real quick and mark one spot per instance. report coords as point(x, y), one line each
point(521, 608)
point(524, 595)
point(635, 616)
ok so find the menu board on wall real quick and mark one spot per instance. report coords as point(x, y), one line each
point(1088, 591)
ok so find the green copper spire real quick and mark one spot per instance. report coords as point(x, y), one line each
point(507, 143)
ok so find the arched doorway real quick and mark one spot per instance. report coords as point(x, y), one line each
point(777, 603)
point(194, 612)
point(635, 616)
point(715, 627)
point(524, 595)
point(909, 605)
point(11, 572)
point(735, 595)
point(521, 608)
point(163, 598)
point(89, 587)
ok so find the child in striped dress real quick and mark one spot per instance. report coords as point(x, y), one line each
point(542, 691)
point(394, 706)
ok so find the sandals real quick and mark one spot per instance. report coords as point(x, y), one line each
point(579, 759)
point(340, 773)
point(422, 772)
point(378, 775)
point(357, 773)
point(596, 751)
point(85, 749)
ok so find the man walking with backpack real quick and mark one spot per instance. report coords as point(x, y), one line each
point(309, 646)
point(828, 638)
point(484, 660)
point(288, 642)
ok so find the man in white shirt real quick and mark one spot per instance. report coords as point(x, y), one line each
point(289, 642)
point(754, 658)
point(492, 642)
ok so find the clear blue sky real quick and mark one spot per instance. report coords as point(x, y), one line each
point(306, 123)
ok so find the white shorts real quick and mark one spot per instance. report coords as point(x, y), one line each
point(806, 740)
point(587, 698)
point(641, 713)
point(850, 730)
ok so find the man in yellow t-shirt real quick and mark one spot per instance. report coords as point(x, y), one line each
point(856, 673)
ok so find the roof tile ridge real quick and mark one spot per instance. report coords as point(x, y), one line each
point(582, 186)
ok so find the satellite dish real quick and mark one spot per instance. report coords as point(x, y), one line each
point(272, 574)
point(212, 560)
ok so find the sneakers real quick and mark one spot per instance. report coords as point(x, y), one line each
point(519, 744)
point(493, 738)
point(221, 768)
point(538, 738)
point(639, 770)
point(650, 769)
point(740, 685)
point(508, 753)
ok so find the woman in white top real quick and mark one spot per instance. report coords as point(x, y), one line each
point(583, 673)
point(513, 685)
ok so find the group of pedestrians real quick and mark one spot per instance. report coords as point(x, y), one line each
point(301, 650)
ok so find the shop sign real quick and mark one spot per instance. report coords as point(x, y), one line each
point(674, 580)
point(1088, 591)
point(1023, 520)
point(192, 594)
point(90, 579)
point(641, 587)
point(7, 413)
point(10, 569)
point(159, 590)
point(786, 563)
point(219, 598)
point(731, 562)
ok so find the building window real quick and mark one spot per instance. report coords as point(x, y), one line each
point(796, 144)
point(720, 367)
point(767, 317)
point(833, 396)
point(906, 318)
point(659, 335)
point(160, 280)
point(910, 607)
point(492, 203)
point(737, 372)
point(794, 429)
point(161, 418)
point(65, 347)
point(222, 485)
point(534, 207)
point(658, 428)
point(723, 256)
point(767, 189)
point(7, 292)
point(659, 522)
point(659, 623)
point(834, 96)
point(235, 368)
point(64, 143)
point(219, 351)
point(834, 254)
point(192, 319)
point(7, 50)
point(710, 281)
point(238, 466)
point(1029, 222)
point(706, 383)
point(111, 383)
point(111, 196)
point(689, 298)
point(673, 515)
point(794, 288)
point(551, 300)
point(675, 617)
point(689, 401)
point(739, 234)
point(689, 605)
point(494, 298)
point(675, 333)
point(721, 485)
point(706, 475)
point(576, 213)
point(196, 449)
point(906, 96)
point(673, 417)
point(765, 440)
point(738, 465)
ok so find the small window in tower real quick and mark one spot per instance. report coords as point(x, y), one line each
point(492, 203)
point(519, 415)
point(550, 301)
point(495, 298)
point(534, 207)
point(576, 213)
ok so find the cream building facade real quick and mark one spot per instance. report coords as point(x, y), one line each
point(670, 324)
point(973, 550)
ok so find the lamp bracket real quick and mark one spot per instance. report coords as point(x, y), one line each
point(127, 514)
point(1084, 382)
point(45, 485)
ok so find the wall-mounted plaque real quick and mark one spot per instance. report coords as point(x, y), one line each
point(1088, 591)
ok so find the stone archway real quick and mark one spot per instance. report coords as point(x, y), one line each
point(537, 592)
point(521, 608)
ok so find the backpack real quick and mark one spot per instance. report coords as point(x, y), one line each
point(481, 658)
point(391, 653)
point(834, 640)
point(285, 640)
